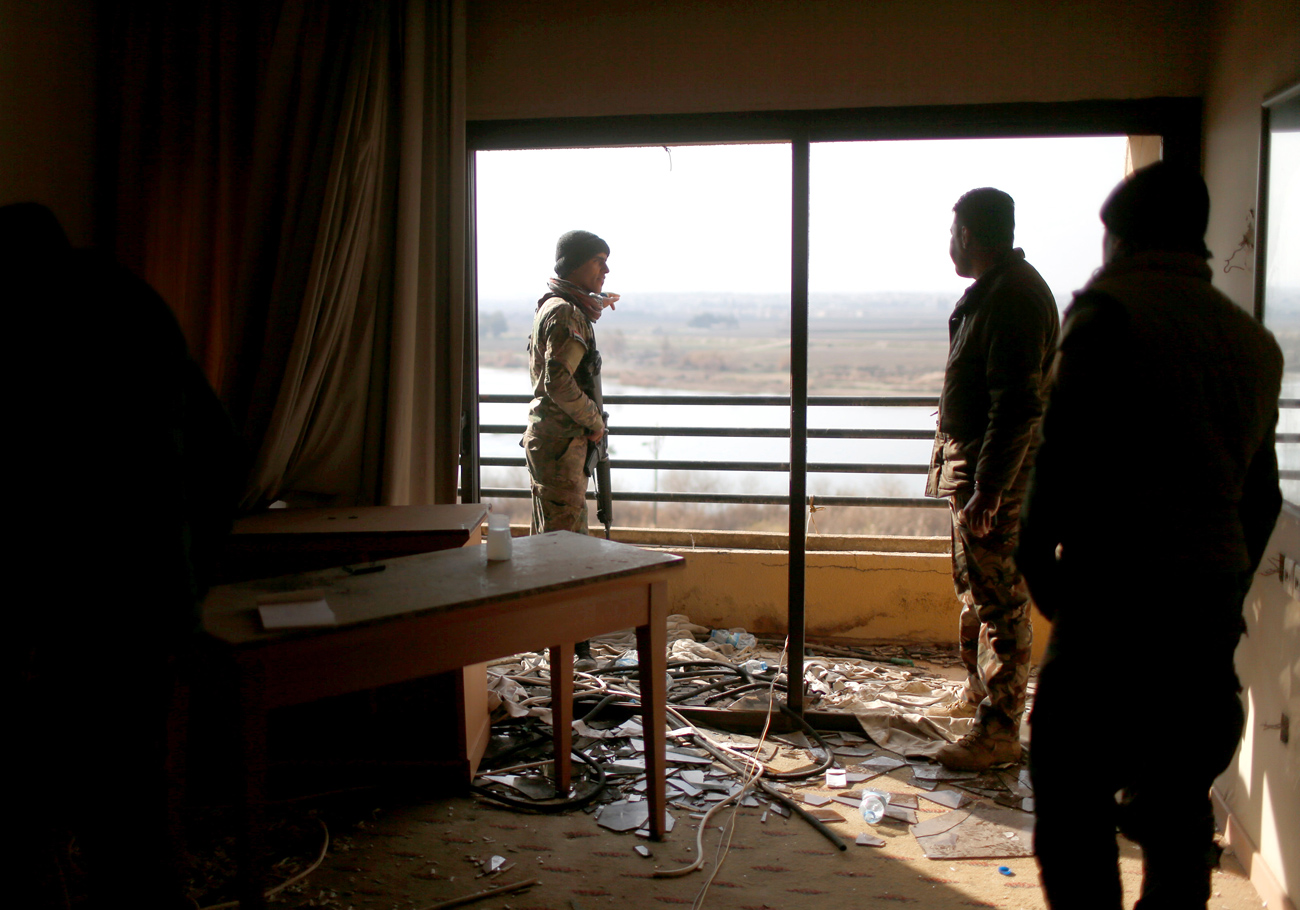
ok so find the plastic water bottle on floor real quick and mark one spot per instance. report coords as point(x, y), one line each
point(873, 805)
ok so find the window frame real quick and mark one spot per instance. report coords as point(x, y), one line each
point(1176, 120)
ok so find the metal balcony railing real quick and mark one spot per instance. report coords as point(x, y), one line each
point(1288, 438)
point(731, 401)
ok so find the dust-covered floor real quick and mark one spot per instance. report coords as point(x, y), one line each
point(407, 851)
point(418, 854)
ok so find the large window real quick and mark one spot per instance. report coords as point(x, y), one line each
point(700, 251)
point(881, 285)
point(726, 285)
point(1277, 284)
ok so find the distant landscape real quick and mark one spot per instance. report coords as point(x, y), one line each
point(870, 344)
point(858, 344)
point(888, 344)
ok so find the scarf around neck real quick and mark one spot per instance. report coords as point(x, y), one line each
point(591, 304)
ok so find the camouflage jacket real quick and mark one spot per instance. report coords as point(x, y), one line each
point(1002, 338)
point(562, 400)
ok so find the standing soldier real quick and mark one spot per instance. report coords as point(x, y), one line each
point(1154, 496)
point(1002, 337)
point(563, 366)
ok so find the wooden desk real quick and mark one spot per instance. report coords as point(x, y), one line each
point(436, 612)
point(284, 541)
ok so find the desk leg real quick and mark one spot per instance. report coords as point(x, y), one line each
point(562, 714)
point(652, 657)
point(250, 844)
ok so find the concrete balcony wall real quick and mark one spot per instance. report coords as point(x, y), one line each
point(895, 589)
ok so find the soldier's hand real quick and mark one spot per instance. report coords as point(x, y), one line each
point(597, 436)
point(981, 511)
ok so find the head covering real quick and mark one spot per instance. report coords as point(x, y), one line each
point(576, 248)
point(1160, 207)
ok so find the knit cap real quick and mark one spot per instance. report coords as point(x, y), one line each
point(576, 248)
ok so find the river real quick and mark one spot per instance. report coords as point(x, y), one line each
point(682, 448)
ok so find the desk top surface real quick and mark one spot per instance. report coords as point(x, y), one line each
point(442, 581)
point(364, 520)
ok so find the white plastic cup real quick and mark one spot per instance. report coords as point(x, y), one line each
point(499, 542)
point(836, 778)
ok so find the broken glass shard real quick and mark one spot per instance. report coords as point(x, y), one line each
point(901, 813)
point(952, 799)
point(977, 832)
point(624, 816)
point(939, 772)
point(684, 786)
point(686, 758)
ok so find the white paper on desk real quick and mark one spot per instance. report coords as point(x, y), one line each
point(300, 615)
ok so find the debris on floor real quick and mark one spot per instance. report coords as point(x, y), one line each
point(804, 772)
point(978, 832)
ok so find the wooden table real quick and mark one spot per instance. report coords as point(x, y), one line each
point(282, 541)
point(436, 612)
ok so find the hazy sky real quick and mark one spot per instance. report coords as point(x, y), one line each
point(717, 218)
point(1284, 211)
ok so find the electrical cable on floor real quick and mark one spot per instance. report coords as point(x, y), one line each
point(481, 895)
point(292, 880)
point(751, 768)
point(575, 802)
point(757, 769)
point(807, 772)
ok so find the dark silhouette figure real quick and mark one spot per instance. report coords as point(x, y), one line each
point(1152, 501)
point(126, 471)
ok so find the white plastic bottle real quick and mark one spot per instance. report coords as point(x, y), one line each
point(873, 805)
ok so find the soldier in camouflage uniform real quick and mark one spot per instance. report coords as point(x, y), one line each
point(563, 363)
point(1002, 335)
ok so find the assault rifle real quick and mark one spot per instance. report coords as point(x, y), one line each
point(597, 464)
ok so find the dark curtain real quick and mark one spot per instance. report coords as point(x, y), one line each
point(290, 177)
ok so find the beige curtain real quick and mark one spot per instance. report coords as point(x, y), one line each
point(1141, 151)
point(367, 406)
point(424, 349)
point(290, 176)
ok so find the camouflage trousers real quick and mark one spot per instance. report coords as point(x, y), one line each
point(994, 632)
point(558, 482)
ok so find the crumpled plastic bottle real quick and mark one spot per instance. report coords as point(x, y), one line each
point(873, 805)
point(737, 638)
point(756, 665)
point(722, 636)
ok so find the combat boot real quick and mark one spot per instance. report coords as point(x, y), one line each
point(583, 659)
point(980, 750)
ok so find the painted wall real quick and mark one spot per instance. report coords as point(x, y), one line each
point(548, 58)
point(1256, 52)
point(898, 597)
point(47, 69)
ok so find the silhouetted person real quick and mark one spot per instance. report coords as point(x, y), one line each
point(1002, 336)
point(1153, 497)
point(126, 473)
